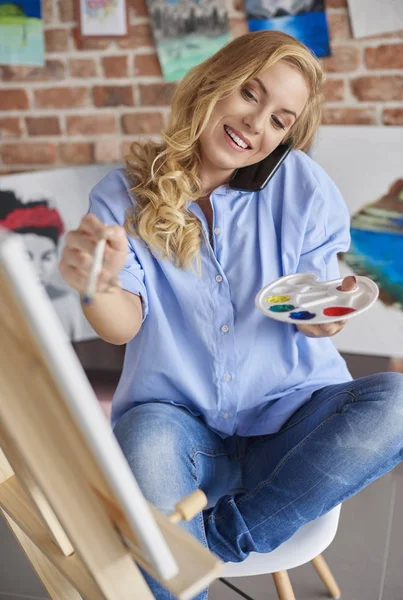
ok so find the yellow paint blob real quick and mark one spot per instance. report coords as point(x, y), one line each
point(278, 299)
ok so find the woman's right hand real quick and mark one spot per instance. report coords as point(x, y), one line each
point(77, 255)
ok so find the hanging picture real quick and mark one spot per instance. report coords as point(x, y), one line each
point(40, 207)
point(102, 18)
point(186, 32)
point(303, 19)
point(21, 33)
point(366, 165)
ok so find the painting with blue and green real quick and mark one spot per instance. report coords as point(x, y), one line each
point(186, 32)
point(21, 33)
point(304, 20)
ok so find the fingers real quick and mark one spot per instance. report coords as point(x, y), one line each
point(92, 226)
point(80, 241)
point(116, 237)
point(348, 284)
point(78, 278)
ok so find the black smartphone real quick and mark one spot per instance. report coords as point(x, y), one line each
point(255, 177)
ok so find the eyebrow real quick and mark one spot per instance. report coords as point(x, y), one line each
point(264, 90)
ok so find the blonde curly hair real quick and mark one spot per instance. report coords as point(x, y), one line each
point(165, 176)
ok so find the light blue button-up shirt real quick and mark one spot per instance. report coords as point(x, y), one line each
point(203, 345)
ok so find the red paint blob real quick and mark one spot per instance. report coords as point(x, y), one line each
point(338, 311)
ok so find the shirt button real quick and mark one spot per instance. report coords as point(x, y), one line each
point(227, 377)
point(218, 278)
point(225, 329)
point(217, 230)
point(225, 415)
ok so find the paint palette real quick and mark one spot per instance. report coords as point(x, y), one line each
point(302, 298)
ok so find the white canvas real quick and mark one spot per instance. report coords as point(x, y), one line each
point(363, 162)
point(372, 17)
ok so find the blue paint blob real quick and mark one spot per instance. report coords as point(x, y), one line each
point(302, 315)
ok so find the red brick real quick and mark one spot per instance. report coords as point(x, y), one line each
point(140, 123)
point(90, 124)
point(384, 87)
point(349, 116)
point(113, 95)
point(238, 27)
point(61, 97)
point(10, 127)
point(239, 5)
point(89, 43)
point(393, 116)
point(13, 99)
point(381, 36)
point(339, 26)
point(387, 56)
point(138, 8)
point(334, 90)
point(83, 67)
point(335, 4)
point(139, 35)
point(67, 10)
point(56, 40)
point(76, 153)
point(47, 11)
point(126, 145)
point(53, 70)
point(115, 66)
point(43, 125)
point(157, 94)
point(29, 153)
point(147, 64)
point(108, 151)
point(344, 59)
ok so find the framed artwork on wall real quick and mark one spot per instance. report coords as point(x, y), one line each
point(366, 164)
point(102, 18)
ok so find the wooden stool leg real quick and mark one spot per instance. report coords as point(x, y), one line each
point(55, 584)
point(283, 585)
point(326, 576)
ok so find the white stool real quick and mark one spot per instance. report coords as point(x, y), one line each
point(306, 545)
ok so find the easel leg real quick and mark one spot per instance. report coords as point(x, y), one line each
point(55, 584)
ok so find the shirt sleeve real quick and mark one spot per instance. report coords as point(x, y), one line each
point(327, 233)
point(109, 200)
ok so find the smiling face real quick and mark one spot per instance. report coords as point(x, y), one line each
point(250, 123)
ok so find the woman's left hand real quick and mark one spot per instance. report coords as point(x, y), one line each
point(328, 329)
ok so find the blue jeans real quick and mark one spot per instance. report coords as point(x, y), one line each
point(342, 439)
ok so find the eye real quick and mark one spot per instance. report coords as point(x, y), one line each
point(278, 124)
point(248, 94)
point(48, 256)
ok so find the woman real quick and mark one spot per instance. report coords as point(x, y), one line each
point(263, 416)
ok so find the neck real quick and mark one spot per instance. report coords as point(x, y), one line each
point(211, 181)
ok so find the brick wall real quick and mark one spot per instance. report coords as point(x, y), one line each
point(90, 100)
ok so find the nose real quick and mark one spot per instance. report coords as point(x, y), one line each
point(255, 122)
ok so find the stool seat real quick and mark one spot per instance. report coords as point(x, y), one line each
point(309, 541)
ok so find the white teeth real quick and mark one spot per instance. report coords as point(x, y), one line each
point(236, 139)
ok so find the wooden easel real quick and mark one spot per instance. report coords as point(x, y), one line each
point(53, 493)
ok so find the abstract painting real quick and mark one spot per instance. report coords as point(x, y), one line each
point(103, 18)
point(21, 33)
point(186, 32)
point(303, 19)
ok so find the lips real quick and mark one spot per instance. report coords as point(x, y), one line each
point(244, 139)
